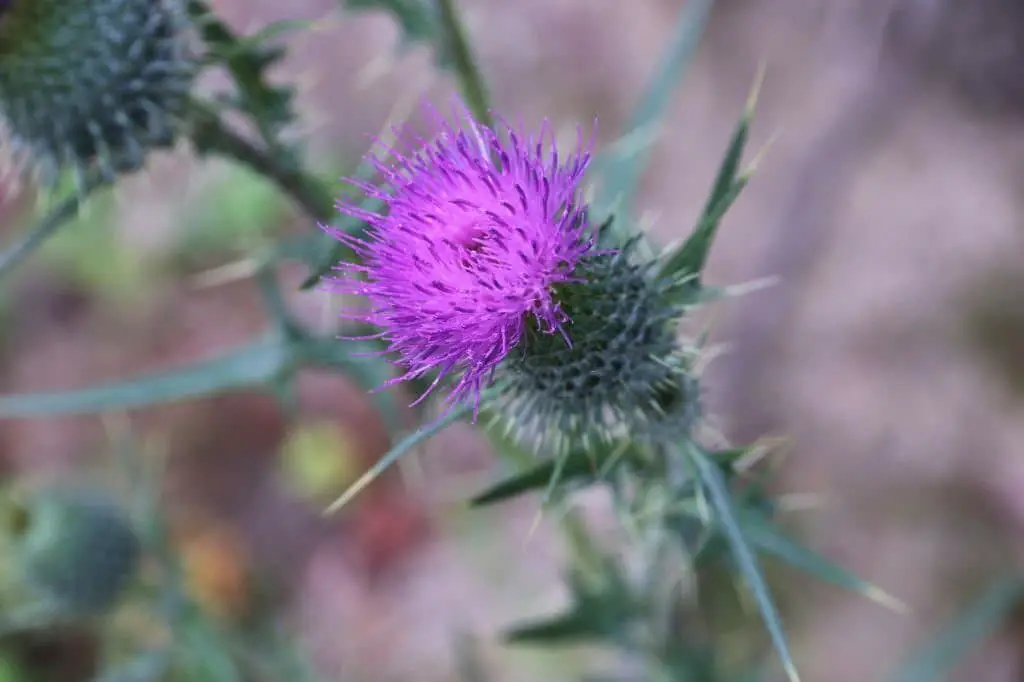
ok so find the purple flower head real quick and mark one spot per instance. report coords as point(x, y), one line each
point(478, 230)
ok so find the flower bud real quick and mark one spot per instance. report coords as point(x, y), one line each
point(76, 547)
point(620, 365)
point(92, 83)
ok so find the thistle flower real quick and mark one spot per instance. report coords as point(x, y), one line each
point(485, 266)
point(91, 83)
point(480, 228)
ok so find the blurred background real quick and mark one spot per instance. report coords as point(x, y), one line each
point(897, 381)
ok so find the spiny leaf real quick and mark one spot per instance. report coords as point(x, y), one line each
point(255, 41)
point(722, 504)
point(689, 258)
point(730, 167)
point(770, 540)
point(603, 605)
point(260, 363)
point(556, 631)
point(579, 467)
point(400, 449)
point(248, 61)
point(939, 657)
point(248, 365)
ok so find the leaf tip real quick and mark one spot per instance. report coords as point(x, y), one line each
point(886, 600)
point(361, 483)
point(755, 90)
point(748, 172)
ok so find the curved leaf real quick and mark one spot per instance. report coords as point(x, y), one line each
point(721, 502)
point(247, 365)
point(937, 659)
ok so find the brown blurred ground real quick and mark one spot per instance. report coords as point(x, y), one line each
point(898, 414)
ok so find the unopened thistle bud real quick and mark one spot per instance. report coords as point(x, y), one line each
point(91, 83)
point(75, 547)
point(623, 369)
point(485, 266)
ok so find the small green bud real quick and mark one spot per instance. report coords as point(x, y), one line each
point(92, 83)
point(74, 546)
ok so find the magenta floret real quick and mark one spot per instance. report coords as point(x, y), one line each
point(479, 227)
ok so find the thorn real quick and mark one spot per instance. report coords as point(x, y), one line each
point(751, 168)
point(751, 286)
point(755, 89)
point(226, 274)
point(886, 600)
point(708, 356)
point(349, 494)
point(412, 472)
point(798, 502)
point(755, 454)
point(713, 434)
point(534, 526)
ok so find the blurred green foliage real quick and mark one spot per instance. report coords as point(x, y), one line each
point(89, 252)
point(233, 215)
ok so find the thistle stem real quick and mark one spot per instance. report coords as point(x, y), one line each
point(471, 81)
point(51, 223)
point(209, 134)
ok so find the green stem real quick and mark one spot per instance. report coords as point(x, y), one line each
point(62, 213)
point(273, 301)
point(209, 134)
point(471, 81)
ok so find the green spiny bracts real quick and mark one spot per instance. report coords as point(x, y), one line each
point(623, 370)
point(75, 547)
point(92, 83)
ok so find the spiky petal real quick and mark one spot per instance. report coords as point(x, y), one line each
point(479, 227)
